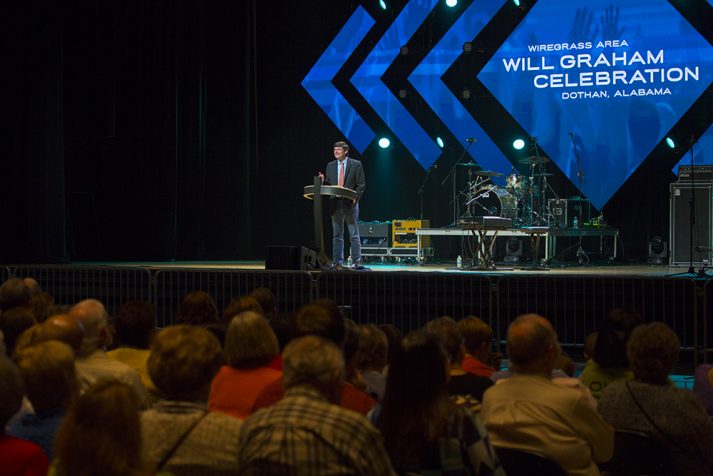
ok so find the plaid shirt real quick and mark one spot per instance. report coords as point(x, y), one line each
point(303, 434)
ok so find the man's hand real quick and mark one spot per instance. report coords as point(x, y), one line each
point(321, 176)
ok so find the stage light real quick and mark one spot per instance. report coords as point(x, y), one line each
point(451, 3)
point(670, 142)
point(384, 142)
point(439, 141)
point(658, 251)
point(382, 4)
point(518, 144)
point(516, 2)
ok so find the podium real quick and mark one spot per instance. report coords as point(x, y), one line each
point(315, 192)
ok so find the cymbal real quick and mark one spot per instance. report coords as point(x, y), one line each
point(543, 174)
point(577, 199)
point(469, 164)
point(487, 173)
point(534, 160)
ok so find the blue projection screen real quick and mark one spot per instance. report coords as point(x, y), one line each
point(609, 79)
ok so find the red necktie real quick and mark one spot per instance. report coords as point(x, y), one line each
point(341, 174)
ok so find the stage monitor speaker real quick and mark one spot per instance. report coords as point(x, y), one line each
point(290, 258)
point(680, 225)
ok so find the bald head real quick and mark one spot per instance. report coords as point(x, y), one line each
point(63, 328)
point(91, 314)
point(532, 345)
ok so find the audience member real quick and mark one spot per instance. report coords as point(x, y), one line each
point(241, 304)
point(529, 412)
point(50, 378)
point(609, 362)
point(703, 386)
point(394, 338)
point(92, 363)
point(462, 386)
point(306, 432)
point(17, 456)
point(424, 431)
point(33, 286)
point(14, 292)
point(101, 434)
point(63, 328)
point(14, 322)
point(26, 338)
point(282, 327)
point(651, 404)
point(590, 343)
point(42, 305)
point(354, 395)
point(135, 325)
point(266, 299)
point(250, 346)
point(179, 435)
point(478, 336)
point(198, 309)
point(373, 354)
point(3, 350)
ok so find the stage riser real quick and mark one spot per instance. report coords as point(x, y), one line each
point(575, 304)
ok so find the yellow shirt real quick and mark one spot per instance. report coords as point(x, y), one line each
point(136, 359)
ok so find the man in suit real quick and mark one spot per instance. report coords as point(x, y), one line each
point(345, 172)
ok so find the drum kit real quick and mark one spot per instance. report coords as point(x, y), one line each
point(523, 199)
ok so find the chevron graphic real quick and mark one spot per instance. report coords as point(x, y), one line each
point(427, 79)
point(367, 80)
point(318, 82)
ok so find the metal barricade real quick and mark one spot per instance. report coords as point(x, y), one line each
point(408, 300)
point(706, 325)
point(292, 289)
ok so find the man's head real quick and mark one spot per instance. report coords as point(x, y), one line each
point(314, 362)
point(135, 323)
point(373, 348)
point(653, 350)
point(197, 308)
point(63, 328)
point(321, 318)
point(183, 361)
point(241, 304)
point(478, 336)
point(93, 317)
point(49, 374)
point(446, 330)
point(14, 322)
point(266, 298)
point(341, 149)
point(14, 292)
point(33, 286)
point(532, 345)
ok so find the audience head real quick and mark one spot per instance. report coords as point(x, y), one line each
point(373, 348)
point(532, 345)
point(101, 433)
point(14, 322)
point(250, 341)
point(42, 304)
point(614, 332)
point(198, 309)
point(135, 324)
point(314, 362)
point(14, 292)
point(283, 329)
point(394, 337)
point(183, 361)
point(94, 319)
point(11, 391)
point(63, 328)
point(33, 286)
point(589, 343)
point(446, 330)
point(242, 304)
point(48, 370)
point(321, 318)
point(3, 350)
point(653, 351)
point(267, 301)
point(27, 338)
point(478, 337)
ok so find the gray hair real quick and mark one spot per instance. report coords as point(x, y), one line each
point(311, 360)
point(93, 317)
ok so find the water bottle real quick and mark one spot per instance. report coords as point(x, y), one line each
point(459, 262)
point(350, 263)
point(575, 223)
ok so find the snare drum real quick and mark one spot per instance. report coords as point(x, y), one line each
point(493, 201)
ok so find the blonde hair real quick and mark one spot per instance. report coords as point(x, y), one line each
point(50, 377)
point(250, 341)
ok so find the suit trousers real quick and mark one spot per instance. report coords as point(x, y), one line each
point(345, 212)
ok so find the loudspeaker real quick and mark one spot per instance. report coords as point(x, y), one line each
point(680, 226)
point(558, 212)
point(290, 258)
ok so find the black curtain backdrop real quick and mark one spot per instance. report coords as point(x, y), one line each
point(179, 130)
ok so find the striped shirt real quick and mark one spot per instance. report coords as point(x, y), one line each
point(303, 434)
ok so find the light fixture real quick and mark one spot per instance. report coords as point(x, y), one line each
point(670, 142)
point(516, 2)
point(382, 4)
point(451, 3)
point(518, 144)
point(439, 142)
point(384, 142)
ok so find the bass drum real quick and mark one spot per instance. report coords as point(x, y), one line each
point(493, 201)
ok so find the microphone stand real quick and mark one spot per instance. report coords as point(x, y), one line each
point(423, 184)
point(452, 171)
point(581, 254)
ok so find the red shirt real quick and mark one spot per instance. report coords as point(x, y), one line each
point(352, 398)
point(21, 458)
point(234, 391)
point(474, 366)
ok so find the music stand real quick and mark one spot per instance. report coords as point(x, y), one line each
point(315, 192)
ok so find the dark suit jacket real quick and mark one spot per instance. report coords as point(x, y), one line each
point(353, 176)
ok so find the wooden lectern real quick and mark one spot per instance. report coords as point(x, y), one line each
point(315, 192)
